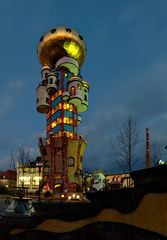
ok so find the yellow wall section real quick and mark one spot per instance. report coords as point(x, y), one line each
point(72, 152)
point(150, 215)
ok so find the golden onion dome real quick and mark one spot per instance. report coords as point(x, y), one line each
point(60, 42)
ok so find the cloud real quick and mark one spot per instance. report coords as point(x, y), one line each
point(143, 96)
point(15, 85)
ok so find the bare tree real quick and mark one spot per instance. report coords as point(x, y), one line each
point(12, 162)
point(22, 156)
point(156, 153)
point(123, 149)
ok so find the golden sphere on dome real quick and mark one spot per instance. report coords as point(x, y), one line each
point(60, 42)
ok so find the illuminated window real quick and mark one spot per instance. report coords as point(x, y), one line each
point(68, 106)
point(71, 121)
point(66, 120)
point(58, 176)
point(59, 120)
point(53, 124)
point(65, 106)
point(71, 107)
point(56, 108)
point(60, 106)
point(66, 74)
point(60, 134)
point(58, 152)
point(71, 134)
point(36, 180)
point(73, 90)
point(25, 180)
point(48, 128)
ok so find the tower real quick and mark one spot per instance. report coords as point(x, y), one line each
point(148, 162)
point(61, 95)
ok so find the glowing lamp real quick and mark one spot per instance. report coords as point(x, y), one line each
point(78, 197)
point(73, 195)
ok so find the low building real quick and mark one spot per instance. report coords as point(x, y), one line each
point(112, 181)
point(119, 180)
point(30, 175)
point(8, 179)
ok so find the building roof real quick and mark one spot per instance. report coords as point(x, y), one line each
point(8, 174)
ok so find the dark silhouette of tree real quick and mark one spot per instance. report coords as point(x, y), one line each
point(22, 156)
point(123, 148)
point(156, 153)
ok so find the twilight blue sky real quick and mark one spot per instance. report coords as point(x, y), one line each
point(126, 67)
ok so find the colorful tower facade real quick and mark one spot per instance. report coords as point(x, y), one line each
point(62, 95)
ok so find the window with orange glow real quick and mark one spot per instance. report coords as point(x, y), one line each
point(68, 120)
point(59, 120)
point(54, 124)
point(60, 105)
point(73, 90)
point(71, 121)
point(48, 114)
point(48, 128)
point(57, 94)
point(71, 134)
point(65, 106)
point(60, 134)
point(68, 106)
point(71, 107)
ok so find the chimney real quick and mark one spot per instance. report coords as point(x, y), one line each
point(148, 162)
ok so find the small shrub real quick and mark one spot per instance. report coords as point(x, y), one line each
point(3, 189)
point(48, 194)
